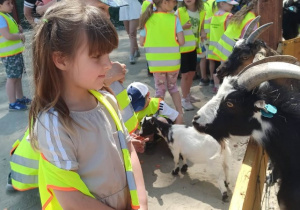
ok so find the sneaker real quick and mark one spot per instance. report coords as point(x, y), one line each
point(9, 186)
point(193, 99)
point(132, 59)
point(211, 83)
point(24, 101)
point(186, 104)
point(204, 82)
point(17, 107)
point(137, 54)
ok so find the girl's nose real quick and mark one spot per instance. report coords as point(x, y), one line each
point(107, 63)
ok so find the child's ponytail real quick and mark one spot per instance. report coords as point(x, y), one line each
point(238, 17)
point(145, 16)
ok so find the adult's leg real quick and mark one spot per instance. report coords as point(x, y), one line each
point(133, 24)
point(203, 68)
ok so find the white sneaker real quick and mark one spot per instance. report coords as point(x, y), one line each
point(186, 104)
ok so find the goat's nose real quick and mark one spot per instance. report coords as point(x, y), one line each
point(196, 117)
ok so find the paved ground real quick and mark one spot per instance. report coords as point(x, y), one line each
point(195, 190)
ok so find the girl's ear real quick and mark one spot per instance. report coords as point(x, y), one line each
point(60, 61)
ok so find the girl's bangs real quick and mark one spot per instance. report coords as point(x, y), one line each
point(102, 37)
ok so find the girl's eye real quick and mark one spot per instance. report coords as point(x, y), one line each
point(229, 104)
point(95, 56)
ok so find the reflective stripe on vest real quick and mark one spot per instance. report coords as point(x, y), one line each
point(162, 48)
point(126, 156)
point(233, 31)
point(208, 7)
point(217, 28)
point(52, 177)
point(150, 110)
point(10, 47)
point(24, 165)
point(189, 37)
point(199, 46)
point(128, 114)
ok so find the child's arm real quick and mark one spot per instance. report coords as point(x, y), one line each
point(77, 200)
point(138, 175)
point(4, 32)
point(179, 32)
point(142, 37)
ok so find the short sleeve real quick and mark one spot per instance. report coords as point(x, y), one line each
point(30, 3)
point(54, 142)
point(143, 32)
point(178, 26)
point(3, 23)
point(166, 110)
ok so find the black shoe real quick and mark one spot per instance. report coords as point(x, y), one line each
point(204, 82)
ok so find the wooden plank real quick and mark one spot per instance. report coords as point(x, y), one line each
point(247, 193)
point(271, 11)
point(291, 47)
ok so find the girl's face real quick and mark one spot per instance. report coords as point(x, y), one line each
point(168, 5)
point(7, 6)
point(226, 7)
point(87, 71)
point(190, 3)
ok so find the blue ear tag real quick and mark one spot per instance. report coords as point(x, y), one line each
point(268, 111)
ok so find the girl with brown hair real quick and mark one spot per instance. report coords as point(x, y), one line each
point(79, 135)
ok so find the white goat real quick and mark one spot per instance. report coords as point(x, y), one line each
point(188, 143)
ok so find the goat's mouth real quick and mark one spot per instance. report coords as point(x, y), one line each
point(198, 127)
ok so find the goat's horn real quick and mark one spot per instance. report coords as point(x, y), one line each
point(275, 58)
point(250, 27)
point(258, 74)
point(255, 34)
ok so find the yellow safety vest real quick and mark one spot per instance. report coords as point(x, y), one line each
point(145, 4)
point(24, 165)
point(128, 114)
point(161, 46)
point(191, 42)
point(150, 110)
point(10, 47)
point(189, 38)
point(217, 28)
point(209, 12)
point(226, 43)
point(51, 177)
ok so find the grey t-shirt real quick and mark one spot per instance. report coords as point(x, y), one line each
point(93, 151)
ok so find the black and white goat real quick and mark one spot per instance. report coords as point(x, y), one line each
point(255, 103)
point(188, 143)
point(246, 50)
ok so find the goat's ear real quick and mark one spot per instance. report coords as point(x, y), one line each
point(260, 104)
point(152, 121)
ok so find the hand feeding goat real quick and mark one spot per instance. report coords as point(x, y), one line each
point(255, 103)
point(191, 145)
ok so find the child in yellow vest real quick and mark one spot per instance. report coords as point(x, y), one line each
point(218, 25)
point(87, 160)
point(11, 48)
point(161, 36)
point(238, 24)
point(144, 105)
point(191, 16)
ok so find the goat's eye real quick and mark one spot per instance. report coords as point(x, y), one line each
point(229, 104)
point(245, 57)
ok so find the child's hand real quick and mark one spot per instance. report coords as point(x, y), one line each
point(116, 73)
point(187, 25)
point(20, 28)
point(203, 36)
point(138, 142)
point(22, 37)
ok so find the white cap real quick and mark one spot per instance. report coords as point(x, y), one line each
point(140, 86)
